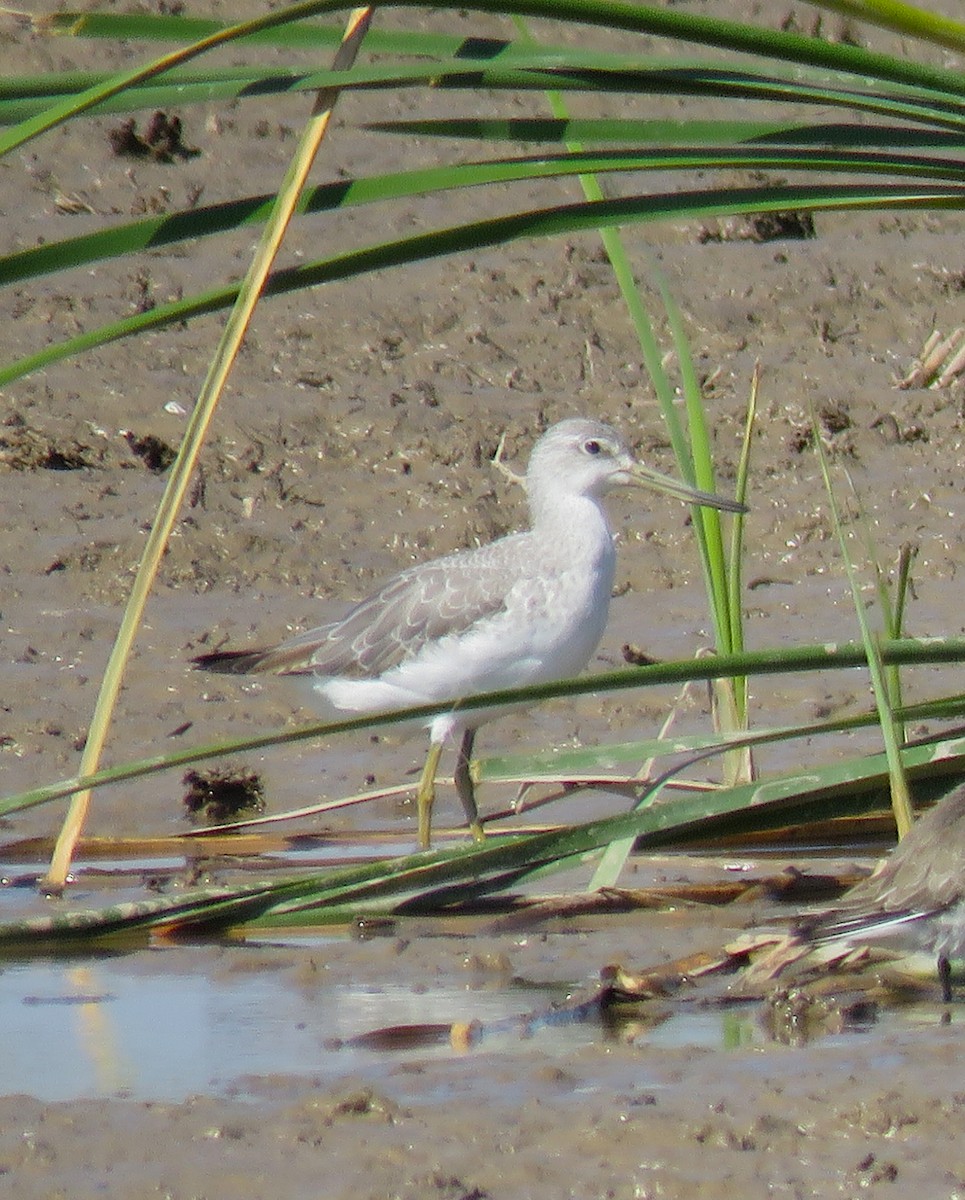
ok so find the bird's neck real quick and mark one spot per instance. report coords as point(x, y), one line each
point(573, 523)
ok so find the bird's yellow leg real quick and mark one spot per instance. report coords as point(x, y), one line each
point(465, 786)
point(426, 795)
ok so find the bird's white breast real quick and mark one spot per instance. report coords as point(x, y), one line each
point(558, 585)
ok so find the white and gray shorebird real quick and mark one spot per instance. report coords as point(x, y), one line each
point(914, 902)
point(528, 608)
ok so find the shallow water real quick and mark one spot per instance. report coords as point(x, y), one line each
point(106, 1027)
point(100, 1028)
point(166, 1022)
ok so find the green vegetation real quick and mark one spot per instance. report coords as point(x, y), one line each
point(895, 142)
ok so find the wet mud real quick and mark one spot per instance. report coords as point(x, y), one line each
point(355, 438)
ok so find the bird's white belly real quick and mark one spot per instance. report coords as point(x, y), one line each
point(543, 634)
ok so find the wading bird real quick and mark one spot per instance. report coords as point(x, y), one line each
point(529, 608)
point(915, 901)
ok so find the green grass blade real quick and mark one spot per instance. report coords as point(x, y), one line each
point(903, 18)
point(650, 20)
point(639, 317)
point(401, 884)
point(707, 521)
point(74, 105)
point(499, 230)
point(712, 31)
point(933, 95)
point(889, 14)
point(900, 796)
point(703, 133)
point(185, 461)
point(892, 615)
point(603, 763)
point(830, 656)
point(153, 232)
point(296, 35)
point(39, 112)
point(735, 588)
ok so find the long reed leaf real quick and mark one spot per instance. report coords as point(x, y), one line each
point(186, 459)
point(831, 656)
point(172, 228)
point(900, 797)
point(499, 230)
point(412, 882)
point(695, 28)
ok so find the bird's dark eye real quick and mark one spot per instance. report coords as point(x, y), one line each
point(592, 446)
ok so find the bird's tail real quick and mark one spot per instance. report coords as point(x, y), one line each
point(276, 660)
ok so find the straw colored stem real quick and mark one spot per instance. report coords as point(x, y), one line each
point(183, 467)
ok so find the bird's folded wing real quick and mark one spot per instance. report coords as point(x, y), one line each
point(419, 606)
point(415, 608)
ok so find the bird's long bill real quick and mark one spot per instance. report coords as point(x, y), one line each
point(645, 477)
